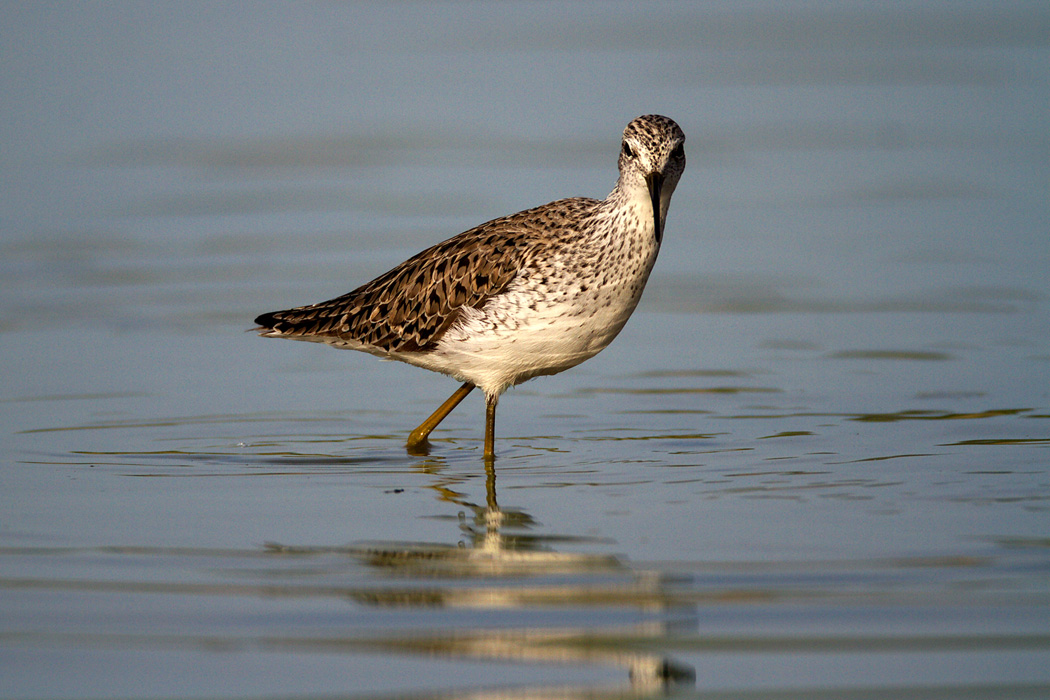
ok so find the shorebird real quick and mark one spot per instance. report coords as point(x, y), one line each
point(525, 295)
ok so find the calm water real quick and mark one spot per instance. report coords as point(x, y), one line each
point(814, 465)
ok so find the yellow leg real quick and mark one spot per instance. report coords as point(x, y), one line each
point(417, 439)
point(490, 427)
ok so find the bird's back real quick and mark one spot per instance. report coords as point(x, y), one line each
point(409, 308)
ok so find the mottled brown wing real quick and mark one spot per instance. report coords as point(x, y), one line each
point(409, 308)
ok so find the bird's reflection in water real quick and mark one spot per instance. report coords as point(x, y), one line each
point(606, 612)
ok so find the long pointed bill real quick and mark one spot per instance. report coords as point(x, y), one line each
point(655, 181)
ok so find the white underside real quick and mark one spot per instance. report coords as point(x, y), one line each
point(500, 346)
point(527, 332)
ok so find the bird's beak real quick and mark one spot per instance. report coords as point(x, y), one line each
point(655, 181)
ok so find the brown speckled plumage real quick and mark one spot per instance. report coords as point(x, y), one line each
point(521, 296)
point(410, 307)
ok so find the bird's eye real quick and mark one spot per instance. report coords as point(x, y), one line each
point(627, 151)
point(678, 152)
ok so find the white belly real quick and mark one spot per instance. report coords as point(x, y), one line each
point(526, 333)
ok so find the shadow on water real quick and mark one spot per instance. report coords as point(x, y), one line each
point(497, 547)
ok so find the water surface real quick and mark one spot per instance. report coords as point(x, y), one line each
point(814, 464)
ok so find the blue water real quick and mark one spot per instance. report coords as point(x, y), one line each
point(814, 464)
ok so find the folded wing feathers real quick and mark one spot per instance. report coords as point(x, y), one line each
point(410, 307)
